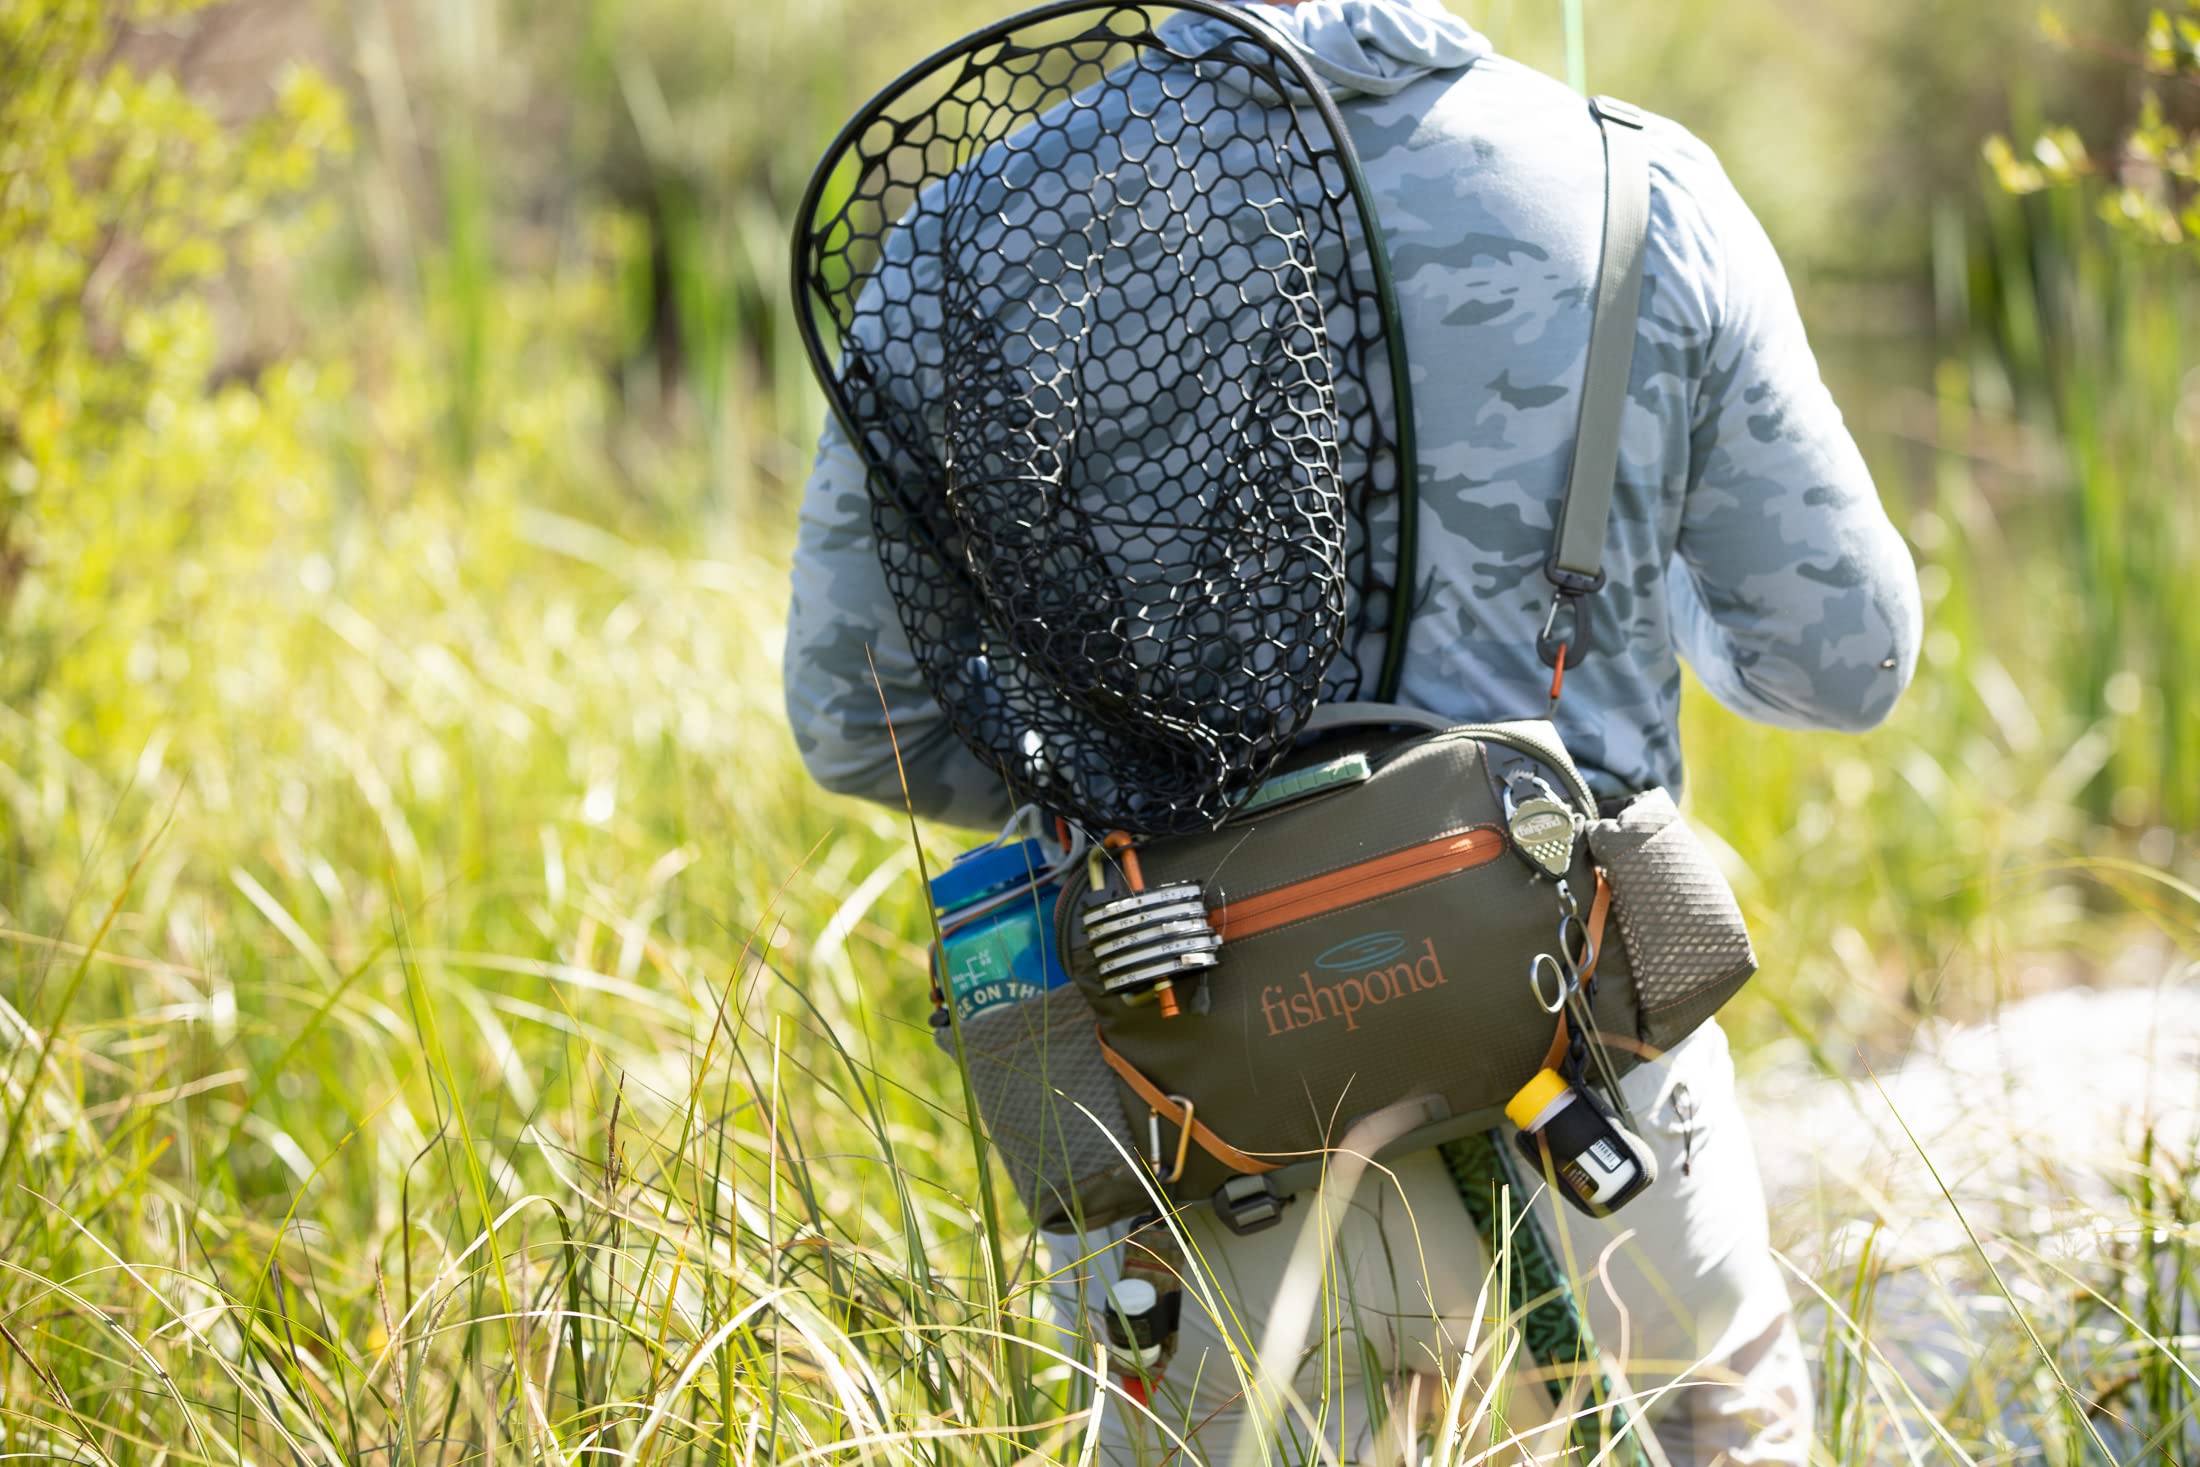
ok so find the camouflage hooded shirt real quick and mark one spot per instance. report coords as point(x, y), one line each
point(1745, 538)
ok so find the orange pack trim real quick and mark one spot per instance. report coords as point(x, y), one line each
point(1360, 882)
point(1176, 1115)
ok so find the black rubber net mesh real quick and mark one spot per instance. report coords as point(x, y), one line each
point(1096, 309)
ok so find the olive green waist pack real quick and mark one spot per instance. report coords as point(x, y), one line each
point(1387, 942)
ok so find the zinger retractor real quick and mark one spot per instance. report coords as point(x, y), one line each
point(1543, 827)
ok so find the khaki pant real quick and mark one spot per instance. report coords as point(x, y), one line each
point(1680, 1289)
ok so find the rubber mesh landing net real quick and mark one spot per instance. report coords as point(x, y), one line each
point(1098, 310)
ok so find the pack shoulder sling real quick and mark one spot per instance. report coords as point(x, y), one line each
point(1138, 569)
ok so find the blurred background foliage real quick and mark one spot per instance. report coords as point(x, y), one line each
point(400, 429)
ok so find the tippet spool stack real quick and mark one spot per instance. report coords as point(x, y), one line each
point(1147, 940)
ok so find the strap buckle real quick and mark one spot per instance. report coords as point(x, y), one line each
point(1612, 109)
point(1248, 1204)
point(1575, 640)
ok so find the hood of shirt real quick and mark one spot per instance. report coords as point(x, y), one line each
point(1356, 48)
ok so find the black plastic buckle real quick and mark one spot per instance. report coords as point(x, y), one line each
point(1575, 641)
point(1248, 1205)
point(1575, 1066)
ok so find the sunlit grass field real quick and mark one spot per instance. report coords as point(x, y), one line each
point(439, 1022)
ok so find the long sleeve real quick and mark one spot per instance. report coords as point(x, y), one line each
point(841, 624)
point(1792, 594)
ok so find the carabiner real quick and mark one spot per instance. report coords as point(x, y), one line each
point(1549, 643)
point(1183, 1142)
point(1175, 1173)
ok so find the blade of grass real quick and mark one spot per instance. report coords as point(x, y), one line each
point(2082, 1408)
point(989, 1208)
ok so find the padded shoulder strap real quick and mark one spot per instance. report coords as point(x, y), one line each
point(1330, 717)
point(1577, 552)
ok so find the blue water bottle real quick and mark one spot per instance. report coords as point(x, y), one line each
point(996, 928)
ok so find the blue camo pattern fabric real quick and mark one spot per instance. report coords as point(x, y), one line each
point(1746, 536)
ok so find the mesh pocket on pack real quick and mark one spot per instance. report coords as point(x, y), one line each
point(1686, 942)
point(1032, 1065)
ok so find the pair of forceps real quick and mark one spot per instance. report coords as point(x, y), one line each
point(1555, 978)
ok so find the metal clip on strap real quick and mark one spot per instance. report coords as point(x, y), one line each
point(1576, 565)
point(1167, 1108)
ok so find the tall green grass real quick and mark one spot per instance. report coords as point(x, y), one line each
point(530, 1066)
point(535, 1067)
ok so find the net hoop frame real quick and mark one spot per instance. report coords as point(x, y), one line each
point(812, 298)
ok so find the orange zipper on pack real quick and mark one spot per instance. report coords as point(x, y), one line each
point(1359, 882)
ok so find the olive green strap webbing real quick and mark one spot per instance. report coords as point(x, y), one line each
point(1577, 552)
